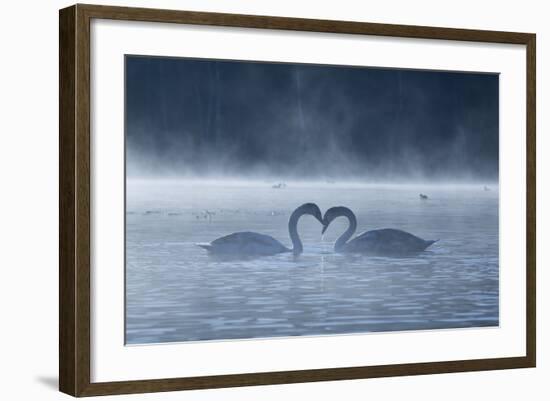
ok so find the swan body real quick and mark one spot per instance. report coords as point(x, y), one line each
point(246, 243)
point(387, 241)
point(254, 244)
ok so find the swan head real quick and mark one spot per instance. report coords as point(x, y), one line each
point(312, 209)
point(332, 214)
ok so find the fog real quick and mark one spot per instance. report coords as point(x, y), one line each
point(201, 119)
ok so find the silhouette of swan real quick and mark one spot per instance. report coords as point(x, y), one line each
point(254, 244)
point(387, 241)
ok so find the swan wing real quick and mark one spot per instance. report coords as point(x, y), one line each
point(387, 241)
point(247, 243)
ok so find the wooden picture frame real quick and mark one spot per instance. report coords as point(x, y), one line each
point(74, 200)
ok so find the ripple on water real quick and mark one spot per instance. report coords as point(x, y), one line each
point(175, 292)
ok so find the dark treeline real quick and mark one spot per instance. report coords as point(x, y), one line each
point(200, 117)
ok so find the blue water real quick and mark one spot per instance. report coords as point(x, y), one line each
point(176, 292)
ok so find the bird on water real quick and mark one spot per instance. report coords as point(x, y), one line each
point(248, 243)
point(386, 241)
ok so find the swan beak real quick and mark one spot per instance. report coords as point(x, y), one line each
point(324, 229)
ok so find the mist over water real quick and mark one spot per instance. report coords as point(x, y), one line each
point(217, 147)
point(203, 118)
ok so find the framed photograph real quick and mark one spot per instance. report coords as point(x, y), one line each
point(250, 200)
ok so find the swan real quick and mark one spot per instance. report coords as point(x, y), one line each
point(387, 241)
point(254, 244)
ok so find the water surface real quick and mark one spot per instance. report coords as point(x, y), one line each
point(176, 292)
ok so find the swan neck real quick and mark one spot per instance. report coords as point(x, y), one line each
point(340, 242)
point(297, 246)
